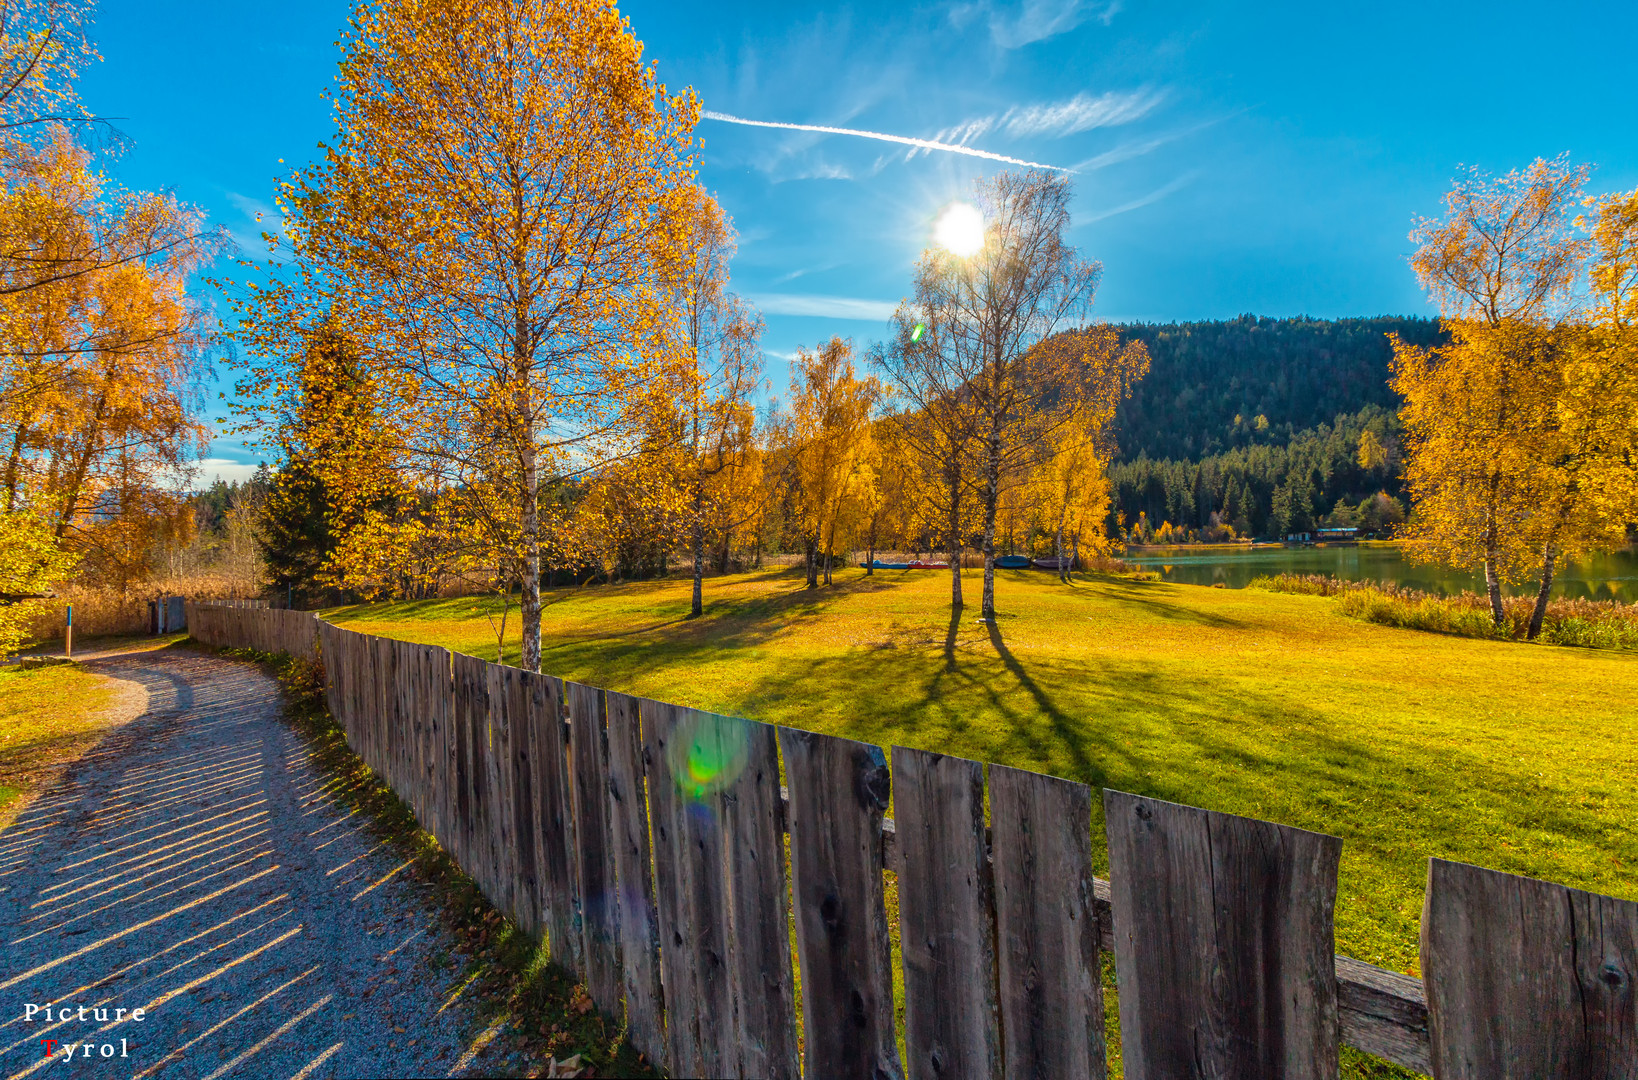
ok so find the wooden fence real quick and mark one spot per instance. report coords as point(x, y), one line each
point(646, 843)
point(253, 625)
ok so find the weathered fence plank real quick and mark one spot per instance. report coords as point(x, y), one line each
point(759, 968)
point(499, 780)
point(1223, 942)
point(946, 931)
point(1047, 926)
point(1526, 978)
point(407, 724)
point(474, 803)
point(690, 890)
point(554, 829)
point(638, 921)
point(839, 790)
point(436, 701)
point(384, 675)
point(593, 851)
point(525, 740)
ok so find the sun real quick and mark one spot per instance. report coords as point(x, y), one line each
point(960, 229)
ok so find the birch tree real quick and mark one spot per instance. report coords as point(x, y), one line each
point(981, 349)
point(500, 223)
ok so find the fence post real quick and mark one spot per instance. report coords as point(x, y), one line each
point(839, 791)
point(945, 917)
point(1224, 952)
point(1047, 927)
point(1527, 979)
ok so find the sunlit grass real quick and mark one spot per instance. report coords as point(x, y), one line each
point(48, 716)
point(1405, 744)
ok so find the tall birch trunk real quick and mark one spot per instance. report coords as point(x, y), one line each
point(992, 496)
point(530, 613)
point(697, 547)
point(955, 541)
point(1549, 558)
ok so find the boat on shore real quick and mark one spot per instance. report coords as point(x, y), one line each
point(916, 565)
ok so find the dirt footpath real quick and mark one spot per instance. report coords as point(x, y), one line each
point(195, 886)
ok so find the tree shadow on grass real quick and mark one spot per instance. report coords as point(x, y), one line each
point(1141, 594)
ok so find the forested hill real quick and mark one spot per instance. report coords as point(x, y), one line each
point(1218, 386)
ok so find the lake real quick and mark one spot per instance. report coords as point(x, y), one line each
point(1602, 577)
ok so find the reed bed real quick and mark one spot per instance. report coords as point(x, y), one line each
point(1591, 624)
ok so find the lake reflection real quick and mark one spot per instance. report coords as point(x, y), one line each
point(1602, 577)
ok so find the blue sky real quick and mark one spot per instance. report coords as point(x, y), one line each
point(1261, 157)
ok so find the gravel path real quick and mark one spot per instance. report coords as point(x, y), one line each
point(196, 866)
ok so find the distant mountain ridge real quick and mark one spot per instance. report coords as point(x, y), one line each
point(1209, 382)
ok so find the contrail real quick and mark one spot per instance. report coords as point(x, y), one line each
point(903, 140)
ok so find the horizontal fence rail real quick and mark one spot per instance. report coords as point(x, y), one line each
point(647, 844)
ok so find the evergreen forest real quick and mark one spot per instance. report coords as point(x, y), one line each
point(1253, 427)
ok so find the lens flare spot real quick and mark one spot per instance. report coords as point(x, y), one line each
point(707, 753)
point(915, 335)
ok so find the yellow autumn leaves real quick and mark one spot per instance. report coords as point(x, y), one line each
point(99, 341)
point(1522, 432)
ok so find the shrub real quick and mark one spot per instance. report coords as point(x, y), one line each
point(1593, 624)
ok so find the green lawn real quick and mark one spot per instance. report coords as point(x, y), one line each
point(1405, 744)
point(48, 717)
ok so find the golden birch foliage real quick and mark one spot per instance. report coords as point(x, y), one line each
point(1522, 432)
point(1502, 463)
point(499, 224)
point(99, 367)
point(1071, 490)
point(1470, 467)
point(721, 369)
point(1503, 250)
point(31, 564)
point(830, 427)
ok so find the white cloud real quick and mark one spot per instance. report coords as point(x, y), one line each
point(906, 140)
point(1083, 112)
point(804, 271)
point(1016, 25)
point(212, 469)
point(1153, 197)
point(832, 307)
point(259, 218)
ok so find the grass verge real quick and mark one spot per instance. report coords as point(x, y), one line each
point(526, 1011)
point(49, 717)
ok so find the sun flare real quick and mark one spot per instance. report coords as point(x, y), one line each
point(960, 229)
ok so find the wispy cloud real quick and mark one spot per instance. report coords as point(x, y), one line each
point(880, 136)
point(804, 271)
point(1015, 25)
point(259, 217)
point(1153, 197)
point(832, 307)
point(1083, 112)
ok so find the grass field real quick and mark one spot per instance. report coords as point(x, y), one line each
point(48, 716)
point(1405, 744)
